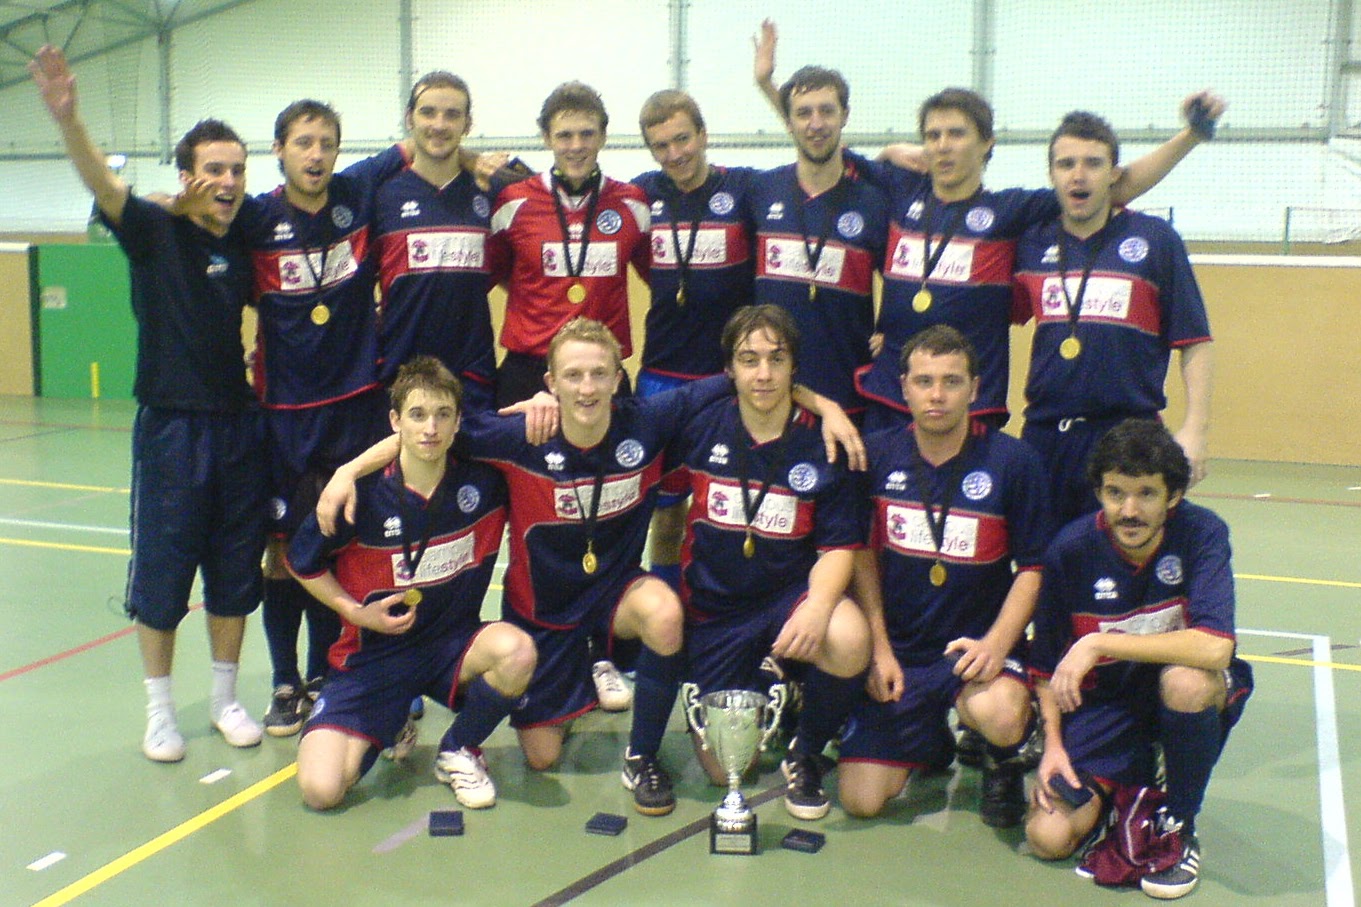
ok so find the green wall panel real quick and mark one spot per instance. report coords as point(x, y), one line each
point(84, 318)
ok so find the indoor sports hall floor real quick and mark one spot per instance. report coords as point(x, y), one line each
point(85, 818)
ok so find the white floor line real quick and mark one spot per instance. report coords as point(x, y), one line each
point(1337, 863)
point(69, 527)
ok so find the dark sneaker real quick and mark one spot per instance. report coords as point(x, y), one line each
point(804, 797)
point(970, 747)
point(1179, 879)
point(651, 785)
point(1003, 801)
point(287, 711)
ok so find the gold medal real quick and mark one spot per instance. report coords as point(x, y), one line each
point(588, 560)
point(413, 597)
point(1070, 348)
point(812, 292)
point(922, 300)
point(680, 295)
point(320, 314)
point(749, 546)
point(937, 574)
point(576, 294)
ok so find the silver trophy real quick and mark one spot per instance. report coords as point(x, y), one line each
point(735, 725)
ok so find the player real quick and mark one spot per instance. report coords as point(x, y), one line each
point(768, 549)
point(562, 241)
point(1134, 643)
point(955, 504)
point(408, 579)
point(431, 224)
point(197, 471)
point(1112, 294)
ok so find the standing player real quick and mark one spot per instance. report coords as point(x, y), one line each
point(1134, 643)
point(563, 242)
point(197, 471)
point(315, 362)
point(768, 549)
point(955, 502)
point(431, 223)
point(1112, 294)
point(408, 578)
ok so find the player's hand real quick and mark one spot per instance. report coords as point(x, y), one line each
point(1054, 763)
point(542, 415)
point(876, 343)
point(802, 634)
point(194, 199)
point(1195, 445)
point(764, 41)
point(1066, 684)
point(977, 660)
point(488, 162)
point(885, 680)
point(839, 431)
point(379, 617)
point(56, 83)
point(336, 498)
point(904, 156)
point(1214, 104)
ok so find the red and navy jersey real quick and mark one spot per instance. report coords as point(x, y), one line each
point(811, 506)
point(527, 251)
point(684, 340)
point(1141, 301)
point(970, 283)
point(433, 272)
point(835, 326)
point(998, 515)
point(464, 528)
point(305, 261)
point(552, 487)
point(1090, 587)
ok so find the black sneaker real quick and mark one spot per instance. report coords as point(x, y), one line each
point(286, 711)
point(1179, 879)
point(1003, 802)
point(804, 797)
point(650, 783)
point(970, 747)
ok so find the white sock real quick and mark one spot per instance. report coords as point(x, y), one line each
point(159, 697)
point(224, 688)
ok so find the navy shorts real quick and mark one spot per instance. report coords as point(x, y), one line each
point(913, 732)
point(1113, 740)
point(198, 494)
point(1065, 447)
point(562, 688)
point(372, 699)
point(307, 445)
point(725, 652)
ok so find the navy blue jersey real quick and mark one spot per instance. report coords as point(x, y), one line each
point(683, 339)
point(552, 487)
point(1090, 587)
point(835, 325)
point(314, 289)
point(433, 272)
point(970, 283)
point(369, 562)
point(188, 290)
point(998, 515)
point(1141, 301)
point(811, 506)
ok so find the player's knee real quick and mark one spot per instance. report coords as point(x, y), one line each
point(848, 641)
point(1049, 835)
point(541, 751)
point(1006, 724)
point(1186, 689)
point(661, 620)
point(860, 802)
point(321, 790)
point(513, 659)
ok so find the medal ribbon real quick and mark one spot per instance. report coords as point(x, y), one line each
point(1075, 305)
point(597, 486)
point(307, 252)
point(836, 201)
point(412, 561)
point(930, 260)
point(742, 444)
point(683, 261)
point(592, 185)
point(920, 474)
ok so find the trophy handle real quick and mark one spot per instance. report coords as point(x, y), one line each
point(694, 712)
point(771, 720)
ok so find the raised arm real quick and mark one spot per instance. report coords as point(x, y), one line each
point(57, 85)
point(1143, 174)
point(763, 67)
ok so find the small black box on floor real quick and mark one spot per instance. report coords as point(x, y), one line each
point(803, 840)
point(446, 822)
point(606, 824)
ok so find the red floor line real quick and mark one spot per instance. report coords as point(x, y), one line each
point(83, 647)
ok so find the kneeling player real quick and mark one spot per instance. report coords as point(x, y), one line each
point(1134, 644)
point(408, 578)
point(955, 502)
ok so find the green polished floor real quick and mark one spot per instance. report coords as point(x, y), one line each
point(226, 826)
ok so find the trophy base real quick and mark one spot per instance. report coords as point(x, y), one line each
point(733, 837)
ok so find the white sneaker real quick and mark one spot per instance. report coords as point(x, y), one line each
point(162, 741)
point(614, 694)
point(465, 770)
point(407, 738)
point(237, 727)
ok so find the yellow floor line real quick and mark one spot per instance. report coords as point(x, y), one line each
point(1302, 662)
point(161, 842)
point(61, 546)
point(1337, 583)
point(64, 486)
